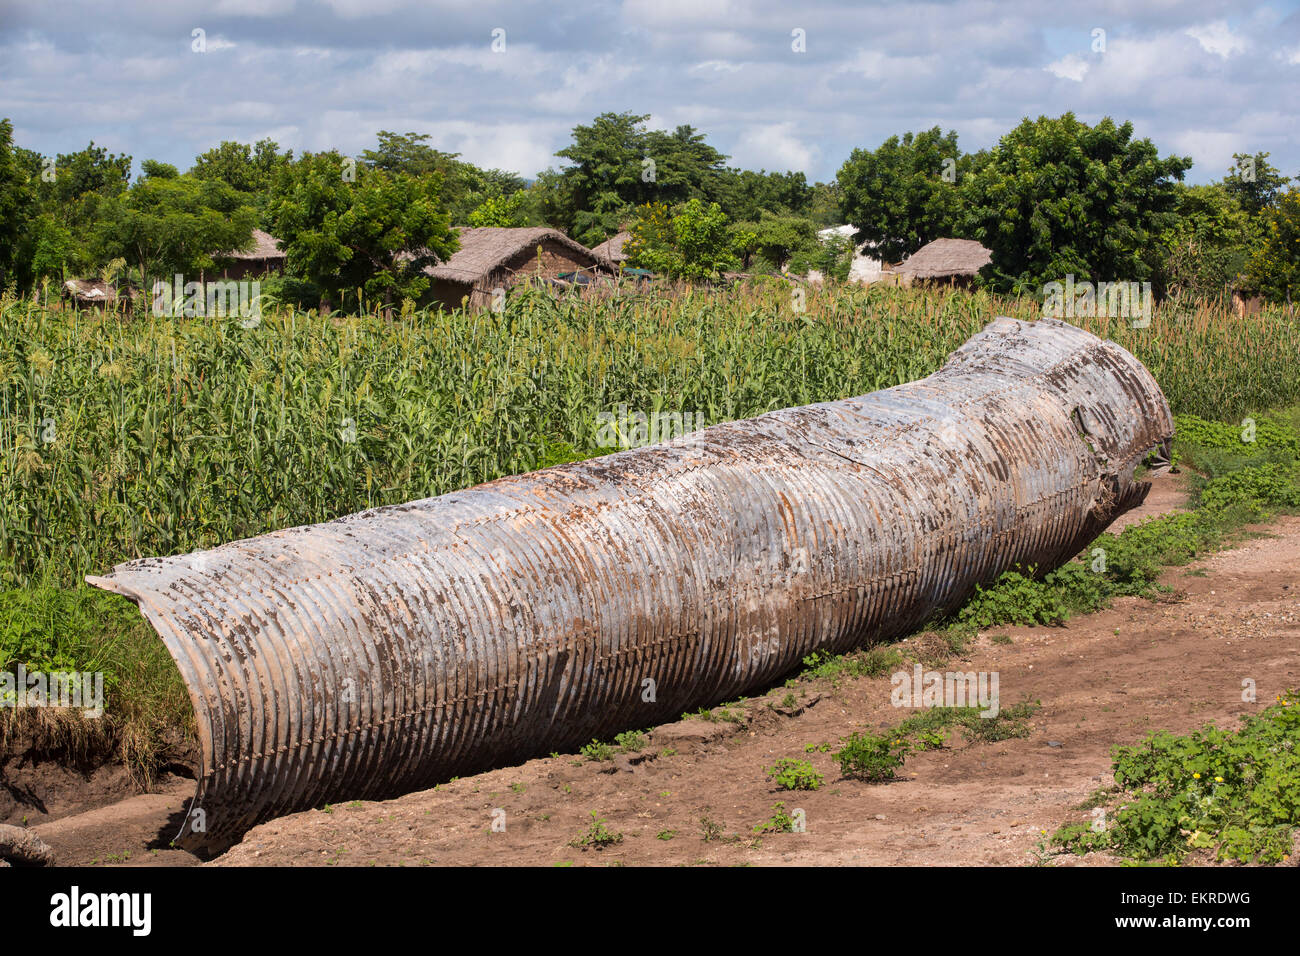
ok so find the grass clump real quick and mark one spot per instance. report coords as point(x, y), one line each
point(147, 710)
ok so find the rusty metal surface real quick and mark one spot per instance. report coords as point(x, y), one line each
point(389, 650)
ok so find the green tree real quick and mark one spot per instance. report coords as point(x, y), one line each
point(605, 177)
point(772, 240)
point(685, 166)
point(167, 224)
point(17, 199)
point(903, 194)
point(1207, 245)
point(464, 186)
point(365, 228)
point(70, 190)
point(249, 170)
point(1059, 197)
point(1274, 269)
point(745, 195)
point(509, 210)
point(1254, 182)
point(694, 244)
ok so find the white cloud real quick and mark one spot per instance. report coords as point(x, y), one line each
point(1217, 38)
point(717, 66)
point(1069, 67)
point(774, 146)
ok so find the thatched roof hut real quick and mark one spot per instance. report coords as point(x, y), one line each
point(611, 250)
point(497, 257)
point(93, 294)
point(265, 256)
point(951, 259)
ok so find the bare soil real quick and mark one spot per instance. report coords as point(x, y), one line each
point(1103, 680)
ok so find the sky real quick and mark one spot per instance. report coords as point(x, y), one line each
point(773, 85)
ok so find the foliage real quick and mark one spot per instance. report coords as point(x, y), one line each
point(1274, 268)
point(84, 630)
point(509, 210)
point(1207, 245)
point(775, 239)
point(779, 822)
point(1234, 794)
point(597, 751)
point(631, 741)
point(598, 835)
point(745, 195)
point(1058, 197)
point(694, 244)
point(615, 164)
point(464, 185)
point(898, 196)
point(167, 224)
point(868, 663)
point(167, 436)
point(16, 199)
point(249, 170)
point(362, 231)
point(871, 757)
point(1254, 182)
point(790, 774)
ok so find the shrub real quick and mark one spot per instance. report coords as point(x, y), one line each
point(871, 757)
point(791, 774)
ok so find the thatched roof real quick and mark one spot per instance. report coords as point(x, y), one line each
point(946, 257)
point(96, 293)
point(611, 250)
point(484, 249)
point(264, 247)
point(90, 290)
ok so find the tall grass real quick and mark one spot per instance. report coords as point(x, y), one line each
point(122, 437)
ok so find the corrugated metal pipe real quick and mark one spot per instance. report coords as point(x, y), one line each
point(389, 650)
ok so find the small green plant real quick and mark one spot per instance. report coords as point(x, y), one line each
point(791, 774)
point(930, 740)
point(517, 787)
point(871, 757)
point(665, 834)
point(1001, 639)
point(631, 741)
point(821, 748)
point(710, 829)
point(779, 822)
point(872, 662)
point(597, 750)
point(598, 835)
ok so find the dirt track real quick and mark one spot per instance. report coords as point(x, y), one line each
point(1105, 679)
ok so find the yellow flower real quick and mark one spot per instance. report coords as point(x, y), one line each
point(1218, 780)
point(1196, 776)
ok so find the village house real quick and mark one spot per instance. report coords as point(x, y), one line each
point(262, 259)
point(946, 261)
point(497, 257)
point(611, 250)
